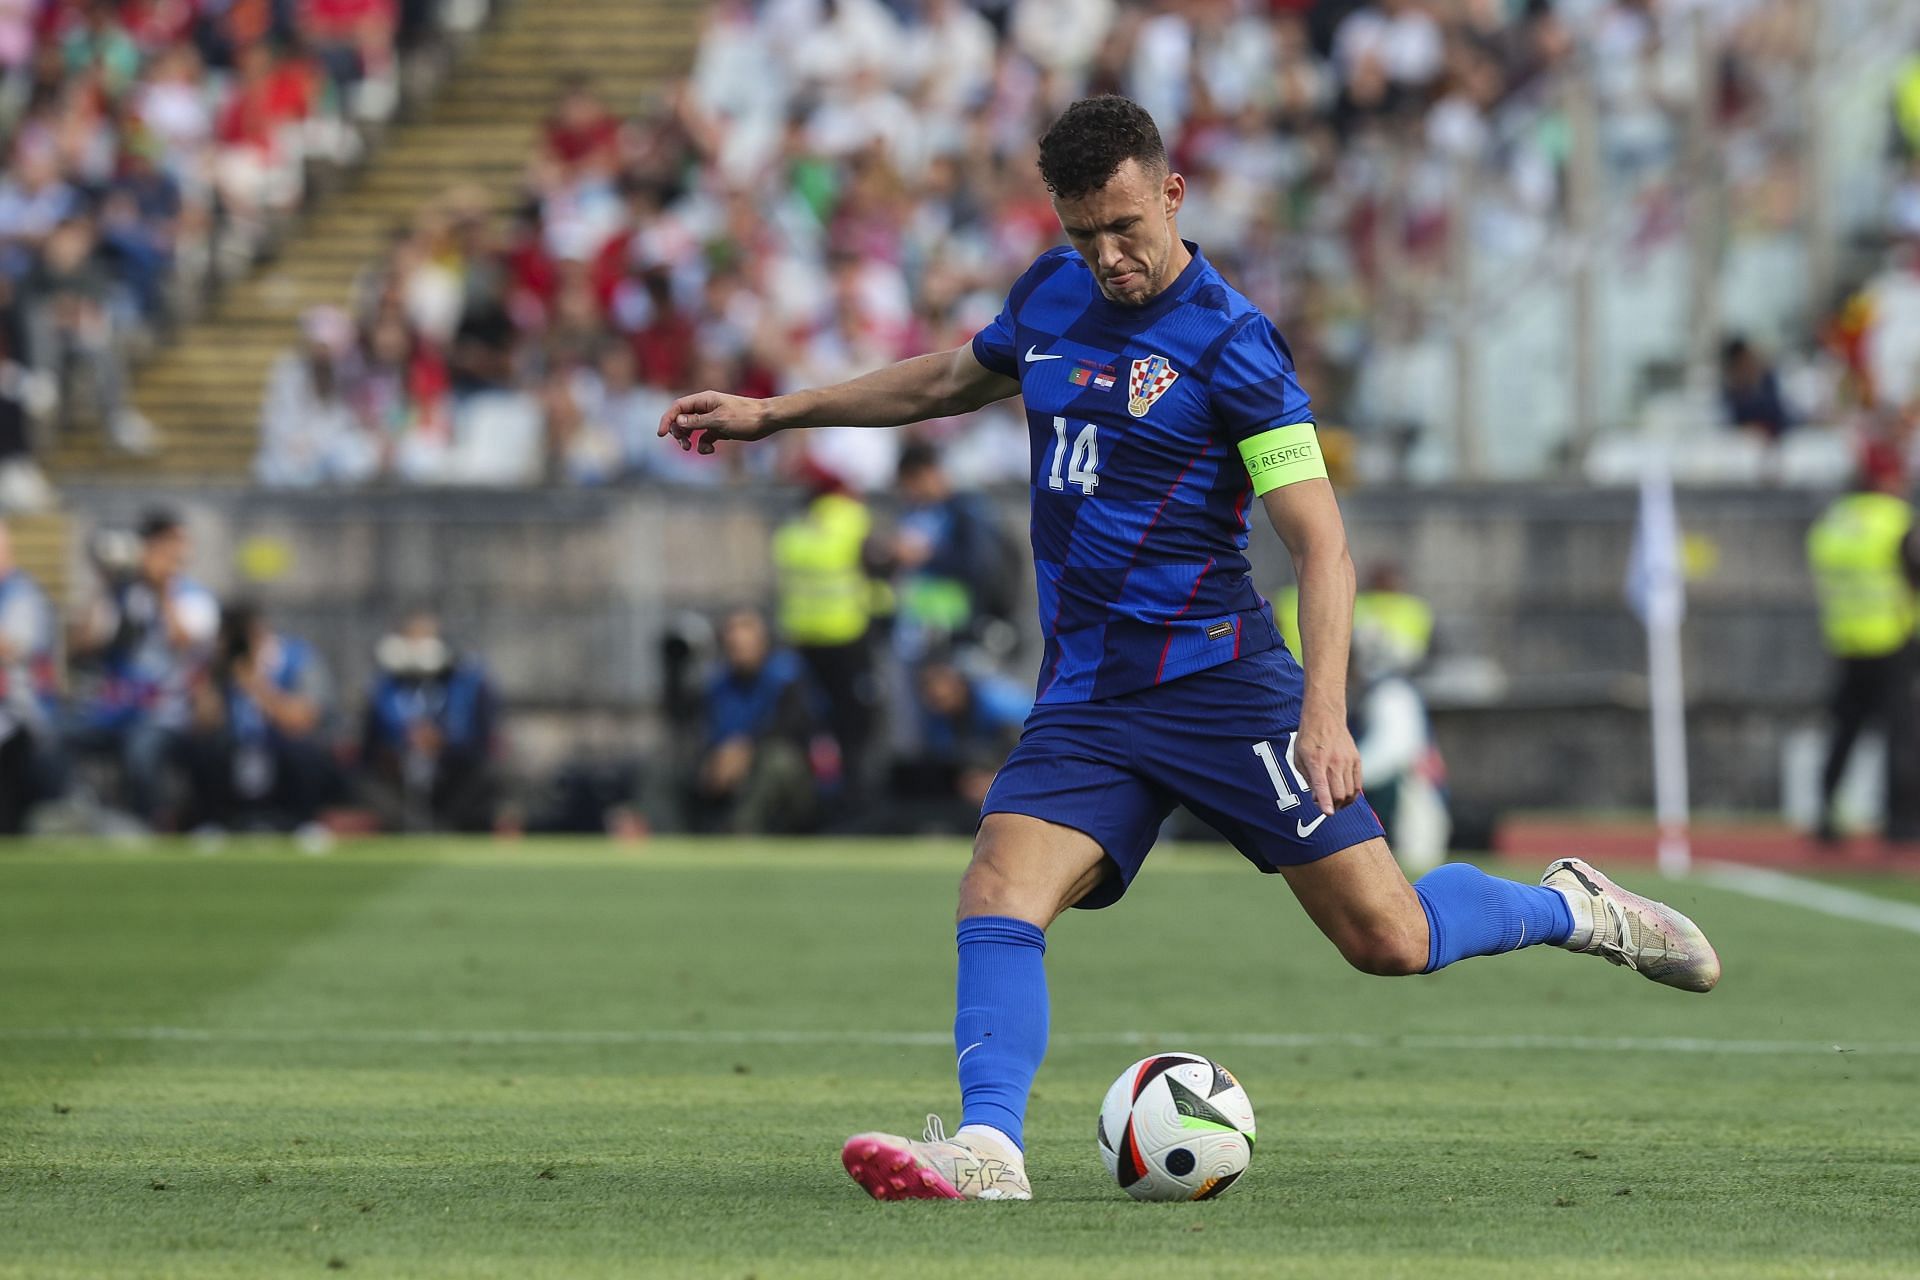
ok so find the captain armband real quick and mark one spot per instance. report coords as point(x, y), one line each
point(1283, 456)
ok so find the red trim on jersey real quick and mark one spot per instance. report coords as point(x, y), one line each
point(1053, 628)
point(1236, 637)
point(1173, 489)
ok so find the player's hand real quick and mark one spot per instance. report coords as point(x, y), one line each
point(1326, 754)
point(703, 419)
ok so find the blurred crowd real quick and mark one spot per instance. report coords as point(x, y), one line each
point(870, 693)
point(840, 183)
point(153, 148)
point(884, 694)
point(1863, 361)
point(182, 712)
point(876, 690)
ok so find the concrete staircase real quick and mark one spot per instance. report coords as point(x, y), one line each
point(203, 392)
point(41, 545)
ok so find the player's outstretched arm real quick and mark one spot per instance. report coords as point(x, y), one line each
point(1307, 518)
point(937, 385)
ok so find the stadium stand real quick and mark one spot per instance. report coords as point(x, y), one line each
point(1428, 158)
point(40, 548)
point(203, 392)
point(1408, 188)
point(154, 152)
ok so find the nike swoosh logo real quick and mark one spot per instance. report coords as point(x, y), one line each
point(1305, 829)
point(969, 1049)
point(1033, 357)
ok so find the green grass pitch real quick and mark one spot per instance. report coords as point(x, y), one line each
point(564, 1060)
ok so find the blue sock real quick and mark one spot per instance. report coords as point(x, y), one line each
point(1470, 913)
point(1000, 1019)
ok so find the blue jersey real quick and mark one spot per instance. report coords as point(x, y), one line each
point(1139, 494)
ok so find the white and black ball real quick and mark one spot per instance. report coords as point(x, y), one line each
point(1176, 1126)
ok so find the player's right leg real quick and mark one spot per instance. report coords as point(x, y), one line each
point(1024, 873)
point(1067, 822)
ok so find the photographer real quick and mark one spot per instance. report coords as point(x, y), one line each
point(966, 720)
point(148, 639)
point(956, 569)
point(427, 741)
point(753, 774)
point(257, 756)
point(27, 690)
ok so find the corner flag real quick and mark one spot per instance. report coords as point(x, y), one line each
point(1656, 592)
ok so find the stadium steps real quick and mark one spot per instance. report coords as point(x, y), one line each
point(203, 393)
point(40, 546)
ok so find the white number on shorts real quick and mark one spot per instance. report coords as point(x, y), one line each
point(1083, 464)
point(1288, 797)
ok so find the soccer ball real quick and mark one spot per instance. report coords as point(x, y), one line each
point(1176, 1126)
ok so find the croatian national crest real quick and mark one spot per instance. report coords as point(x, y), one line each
point(1148, 382)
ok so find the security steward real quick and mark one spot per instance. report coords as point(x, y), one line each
point(1865, 556)
point(821, 560)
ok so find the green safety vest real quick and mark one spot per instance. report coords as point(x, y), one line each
point(1855, 551)
point(824, 595)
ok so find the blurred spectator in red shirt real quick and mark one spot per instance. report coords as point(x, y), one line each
point(259, 169)
point(663, 342)
point(582, 134)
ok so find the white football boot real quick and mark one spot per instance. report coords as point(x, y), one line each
point(1649, 937)
point(971, 1165)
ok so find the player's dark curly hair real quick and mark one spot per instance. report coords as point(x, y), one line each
point(1091, 140)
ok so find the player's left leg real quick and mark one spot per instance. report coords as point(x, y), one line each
point(1224, 747)
point(1363, 903)
point(1361, 900)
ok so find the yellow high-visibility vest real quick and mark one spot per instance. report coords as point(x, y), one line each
point(825, 598)
point(1906, 100)
point(1402, 622)
point(1855, 551)
point(1405, 620)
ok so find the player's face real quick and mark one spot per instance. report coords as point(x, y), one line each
point(1125, 231)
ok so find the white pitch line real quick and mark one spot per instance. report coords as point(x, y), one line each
point(1778, 886)
point(931, 1039)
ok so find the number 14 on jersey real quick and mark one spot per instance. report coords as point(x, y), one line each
point(1083, 464)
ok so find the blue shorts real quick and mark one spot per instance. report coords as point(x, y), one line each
point(1218, 741)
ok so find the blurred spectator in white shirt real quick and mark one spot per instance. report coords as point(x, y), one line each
point(628, 411)
point(950, 55)
point(584, 449)
point(1062, 36)
point(849, 36)
point(1399, 34)
point(309, 432)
